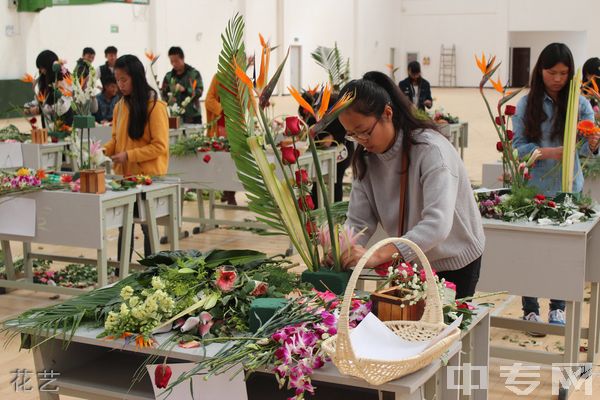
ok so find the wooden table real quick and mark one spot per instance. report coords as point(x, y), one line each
point(83, 220)
point(220, 174)
point(94, 368)
point(527, 259)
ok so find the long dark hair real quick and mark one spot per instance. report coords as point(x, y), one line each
point(46, 60)
point(371, 94)
point(592, 68)
point(137, 101)
point(554, 53)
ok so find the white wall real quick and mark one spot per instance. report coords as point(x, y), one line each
point(365, 30)
point(537, 41)
point(473, 26)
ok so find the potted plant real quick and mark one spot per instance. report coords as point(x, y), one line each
point(282, 203)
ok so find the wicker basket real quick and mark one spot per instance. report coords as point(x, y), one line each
point(378, 372)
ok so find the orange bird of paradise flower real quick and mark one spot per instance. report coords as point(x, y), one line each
point(27, 78)
point(322, 114)
point(194, 84)
point(68, 79)
point(498, 85)
point(41, 97)
point(151, 56)
point(65, 92)
point(485, 67)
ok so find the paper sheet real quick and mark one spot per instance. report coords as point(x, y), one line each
point(17, 216)
point(372, 339)
point(217, 387)
point(11, 155)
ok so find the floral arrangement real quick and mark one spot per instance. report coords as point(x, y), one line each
point(11, 134)
point(440, 117)
point(178, 109)
point(515, 173)
point(282, 203)
point(26, 180)
point(289, 344)
point(525, 205)
point(62, 92)
point(129, 182)
point(84, 88)
point(198, 143)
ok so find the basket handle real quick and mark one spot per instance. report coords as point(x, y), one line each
point(433, 305)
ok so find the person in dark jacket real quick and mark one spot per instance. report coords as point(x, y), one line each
point(108, 68)
point(416, 88)
point(82, 68)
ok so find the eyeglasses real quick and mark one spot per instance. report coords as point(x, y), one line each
point(353, 137)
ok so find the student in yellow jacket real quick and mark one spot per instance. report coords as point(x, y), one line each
point(140, 133)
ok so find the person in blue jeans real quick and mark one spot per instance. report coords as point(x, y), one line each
point(539, 123)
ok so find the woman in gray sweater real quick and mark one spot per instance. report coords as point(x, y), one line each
point(441, 215)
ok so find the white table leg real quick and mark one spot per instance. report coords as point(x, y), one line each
point(448, 393)
point(27, 262)
point(173, 227)
point(152, 225)
point(201, 213)
point(481, 357)
point(8, 261)
point(125, 241)
point(593, 323)
point(211, 207)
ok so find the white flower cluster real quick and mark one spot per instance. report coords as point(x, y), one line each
point(141, 314)
point(176, 110)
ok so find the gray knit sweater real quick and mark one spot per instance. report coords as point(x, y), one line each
point(441, 215)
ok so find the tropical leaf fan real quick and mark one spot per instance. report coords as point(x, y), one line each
point(331, 60)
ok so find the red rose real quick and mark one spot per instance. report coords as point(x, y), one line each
point(551, 204)
point(207, 158)
point(289, 154)
point(217, 146)
point(301, 177)
point(162, 374)
point(226, 277)
point(510, 110)
point(306, 203)
point(292, 126)
point(382, 269)
point(499, 121)
point(509, 134)
point(203, 149)
point(148, 181)
point(499, 146)
point(260, 288)
point(527, 176)
point(540, 197)
point(32, 120)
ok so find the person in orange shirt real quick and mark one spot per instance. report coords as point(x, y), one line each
point(140, 132)
point(216, 125)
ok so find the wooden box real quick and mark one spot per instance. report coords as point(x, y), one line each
point(39, 136)
point(174, 122)
point(92, 181)
point(389, 305)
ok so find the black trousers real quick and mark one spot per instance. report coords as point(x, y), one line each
point(147, 249)
point(465, 278)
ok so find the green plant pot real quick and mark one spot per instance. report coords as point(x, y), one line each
point(326, 279)
point(262, 309)
point(560, 196)
point(84, 121)
point(58, 134)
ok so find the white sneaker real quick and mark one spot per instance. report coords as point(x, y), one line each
point(556, 317)
point(534, 318)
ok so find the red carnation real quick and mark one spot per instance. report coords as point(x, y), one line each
point(301, 177)
point(289, 154)
point(509, 134)
point(206, 158)
point(510, 110)
point(306, 203)
point(499, 146)
point(292, 126)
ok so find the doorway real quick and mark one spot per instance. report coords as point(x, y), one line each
point(520, 61)
point(296, 66)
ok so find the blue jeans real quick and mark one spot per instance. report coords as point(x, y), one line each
point(531, 305)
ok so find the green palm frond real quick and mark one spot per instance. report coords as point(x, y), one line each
point(234, 101)
point(65, 318)
point(332, 61)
